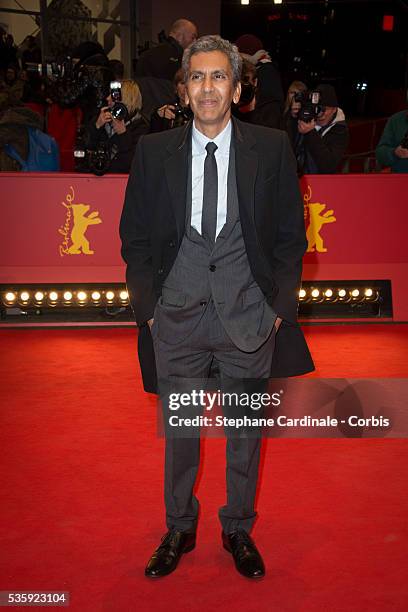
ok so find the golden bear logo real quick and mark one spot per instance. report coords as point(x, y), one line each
point(316, 222)
point(76, 223)
point(81, 223)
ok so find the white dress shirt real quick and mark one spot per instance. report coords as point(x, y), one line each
point(199, 153)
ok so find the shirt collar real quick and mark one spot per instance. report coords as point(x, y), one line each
point(222, 140)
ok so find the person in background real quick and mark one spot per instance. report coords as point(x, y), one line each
point(14, 123)
point(291, 110)
point(392, 150)
point(164, 60)
point(269, 86)
point(8, 51)
point(119, 135)
point(323, 141)
point(267, 112)
point(290, 103)
point(11, 87)
point(118, 69)
point(172, 115)
point(30, 51)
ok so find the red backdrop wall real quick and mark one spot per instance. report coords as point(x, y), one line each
point(64, 228)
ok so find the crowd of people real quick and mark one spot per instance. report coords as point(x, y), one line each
point(155, 101)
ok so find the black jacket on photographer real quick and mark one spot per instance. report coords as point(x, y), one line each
point(321, 150)
point(162, 61)
point(121, 147)
point(266, 113)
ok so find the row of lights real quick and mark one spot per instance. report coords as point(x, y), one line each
point(334, 295)
point(65, 297)
point(246, 2)
point(96, 298)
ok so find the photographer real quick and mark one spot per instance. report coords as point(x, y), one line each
point(163, 61)
point(252, 108)
point(116, 133)
point(323, 135)
point(172, 115)
point(288, 121)
point(392, 150)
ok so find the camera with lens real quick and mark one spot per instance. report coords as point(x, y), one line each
point(310, 106)
point(96, 160)
point(118, 110)
point(54, 70)
point(181, 114)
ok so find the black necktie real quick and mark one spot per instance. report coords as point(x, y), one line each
point(210, 195)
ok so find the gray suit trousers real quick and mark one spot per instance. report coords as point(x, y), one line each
point(192, 360)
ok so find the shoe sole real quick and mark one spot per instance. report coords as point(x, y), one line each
point(185, 550)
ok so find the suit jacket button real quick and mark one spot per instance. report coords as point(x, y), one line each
point(212, 268)
point(203, 303)
point(172, 244)
point(160, 271)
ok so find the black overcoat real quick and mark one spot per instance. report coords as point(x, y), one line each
point(271, 213)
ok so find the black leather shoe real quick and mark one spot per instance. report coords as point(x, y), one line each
point(166, 557)
point(247, 559)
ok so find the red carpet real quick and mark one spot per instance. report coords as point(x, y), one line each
point(82, 487)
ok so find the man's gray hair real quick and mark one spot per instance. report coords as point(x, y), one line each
point(213, 42)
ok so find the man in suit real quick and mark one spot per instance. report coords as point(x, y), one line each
point(213, 237)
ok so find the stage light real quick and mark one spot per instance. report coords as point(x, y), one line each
point(245, 2)
point(277, 1)
point(82, 296)
point(10, 297)
point(322, 299)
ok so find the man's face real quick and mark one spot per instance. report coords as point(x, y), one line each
point(325, 117)
point(210, 91)
point(188, 35)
